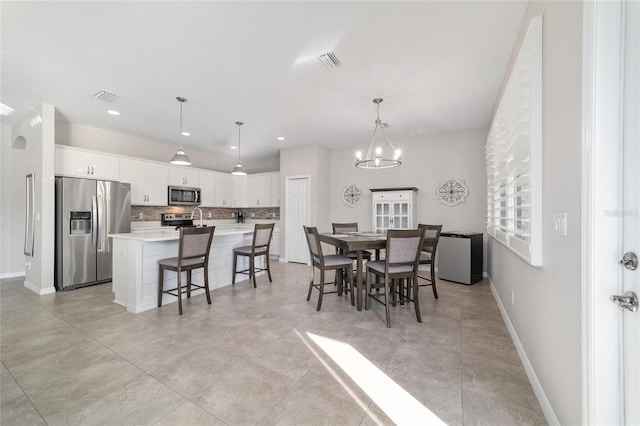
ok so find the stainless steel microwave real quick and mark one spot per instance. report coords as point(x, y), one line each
point(183, 196)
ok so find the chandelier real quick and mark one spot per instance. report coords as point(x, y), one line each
point(181, 158)
point(376, 159)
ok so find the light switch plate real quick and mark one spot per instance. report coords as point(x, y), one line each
point(560, 224)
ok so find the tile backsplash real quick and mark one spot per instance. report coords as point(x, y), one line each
point(151, 213)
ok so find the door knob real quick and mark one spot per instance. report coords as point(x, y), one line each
point(629, 301)
point(630, 261)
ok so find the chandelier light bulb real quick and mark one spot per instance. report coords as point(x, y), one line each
point(397, 155)
point(378, 151)
point(359, 155)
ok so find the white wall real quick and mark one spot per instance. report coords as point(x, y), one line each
point(546, 315)
point(38, 128)
point(88, 137)
point(306, 160)
point(426, 162)
point(5, 204)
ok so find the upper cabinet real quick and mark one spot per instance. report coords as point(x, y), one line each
point(259, 190)
point(208, 189)
point(77, 162)
point(239, 191)
point(149, 182)
point(275, 190)
point(184, 176)
point(223, 186)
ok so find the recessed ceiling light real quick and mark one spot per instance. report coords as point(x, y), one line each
point(280, 138)
point(113, 112)
point(233, 147)
point(186, 134)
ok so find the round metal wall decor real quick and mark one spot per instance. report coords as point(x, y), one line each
point(351, 195)
point(452, 191)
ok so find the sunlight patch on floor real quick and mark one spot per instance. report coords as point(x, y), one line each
point(397, 404)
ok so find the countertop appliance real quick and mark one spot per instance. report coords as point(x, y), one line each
point(177, 220)
point(460, 257)
point(86, 212)
point(240, 217)
point(183, 196)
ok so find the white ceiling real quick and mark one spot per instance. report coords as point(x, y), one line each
point(438, 66)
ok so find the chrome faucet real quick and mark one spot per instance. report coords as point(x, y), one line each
point(193, 212)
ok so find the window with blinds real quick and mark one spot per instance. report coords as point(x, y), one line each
point(514, 154)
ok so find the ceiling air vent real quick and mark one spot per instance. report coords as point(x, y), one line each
point(105, 95)
point(329, 59)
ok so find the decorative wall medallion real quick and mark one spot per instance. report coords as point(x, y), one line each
point(452, 191)
point(351, 195)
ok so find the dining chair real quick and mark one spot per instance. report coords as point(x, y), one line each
point(401, 263)
point(342, 266)
point(342, 228)
point(194, 247)
point(260, 247)
point(428, 256)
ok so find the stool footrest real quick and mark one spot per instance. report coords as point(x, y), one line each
point(173, 292)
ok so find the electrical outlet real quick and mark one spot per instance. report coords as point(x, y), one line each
point(513, 297)
point(233, 214)
point(209, 215)
point(273, 215)
point(140, 215)
point(560, 224)
point(253, 215)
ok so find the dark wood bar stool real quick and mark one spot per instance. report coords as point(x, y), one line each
point(428, 256)
point(193, 253)
point(341, 228)
point(260, 247)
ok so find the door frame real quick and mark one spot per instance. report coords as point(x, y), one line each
point(287, 179)
point(601, 204)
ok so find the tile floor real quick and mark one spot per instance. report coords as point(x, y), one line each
point(259, 356)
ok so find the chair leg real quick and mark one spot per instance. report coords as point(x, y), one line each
point(321, 289)
point(179, 291)
point(433, 282)
point(206, 283)
point(268, 266)
point(416, 301)
point(350, 283)
point(311, 282)
point(189, 284)
point(386, 302)
point(252, 270)
point(339, 281)
point(367, 291)
point(160, 286)
point(235, 263)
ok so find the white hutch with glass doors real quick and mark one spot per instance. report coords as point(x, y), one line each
point(394, 208)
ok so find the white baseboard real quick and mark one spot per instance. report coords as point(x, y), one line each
point(38, 290)
point(549, 415)
point(12, 275)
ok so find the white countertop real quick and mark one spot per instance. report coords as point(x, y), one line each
point(170, 234)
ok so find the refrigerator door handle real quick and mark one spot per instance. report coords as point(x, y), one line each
point(94, 229)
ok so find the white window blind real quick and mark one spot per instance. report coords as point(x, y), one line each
point(514, 154)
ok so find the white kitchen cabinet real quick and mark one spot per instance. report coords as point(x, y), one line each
point(77, 162)
point(259, 190)
point(208, 189)
point(239, 191)
point(274, 248)
point(184, 176)
point(394, 208)
point(148, 181)
point(223, 187)
point(275, 190)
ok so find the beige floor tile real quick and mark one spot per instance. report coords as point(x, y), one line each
point(189, 414)
point(20, 411)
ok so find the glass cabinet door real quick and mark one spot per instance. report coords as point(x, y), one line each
point(401, 215)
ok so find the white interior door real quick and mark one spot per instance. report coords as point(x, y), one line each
point(297, 214)
point(630, 372)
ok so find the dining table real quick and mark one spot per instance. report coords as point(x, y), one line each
point(359, 242)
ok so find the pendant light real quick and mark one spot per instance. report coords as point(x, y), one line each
point(378, 161)
point(238, 170)
point(181, 158)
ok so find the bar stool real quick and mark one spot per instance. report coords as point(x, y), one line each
point(341, 228)
point(260, 247)
point(428, 256)
point(193, 253)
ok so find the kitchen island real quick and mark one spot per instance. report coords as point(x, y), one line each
point(135, 264)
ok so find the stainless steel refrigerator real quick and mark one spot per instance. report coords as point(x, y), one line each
point(86, 212)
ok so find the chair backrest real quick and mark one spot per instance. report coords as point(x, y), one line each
point(403, 247)
point(262, 236)
point(313, 241)
point(195, 243)
point(431, 231)
point(339, 228)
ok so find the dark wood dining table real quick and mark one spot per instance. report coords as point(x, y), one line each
point(360, 242)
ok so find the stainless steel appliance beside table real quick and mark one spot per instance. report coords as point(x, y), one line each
point(460, 257)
